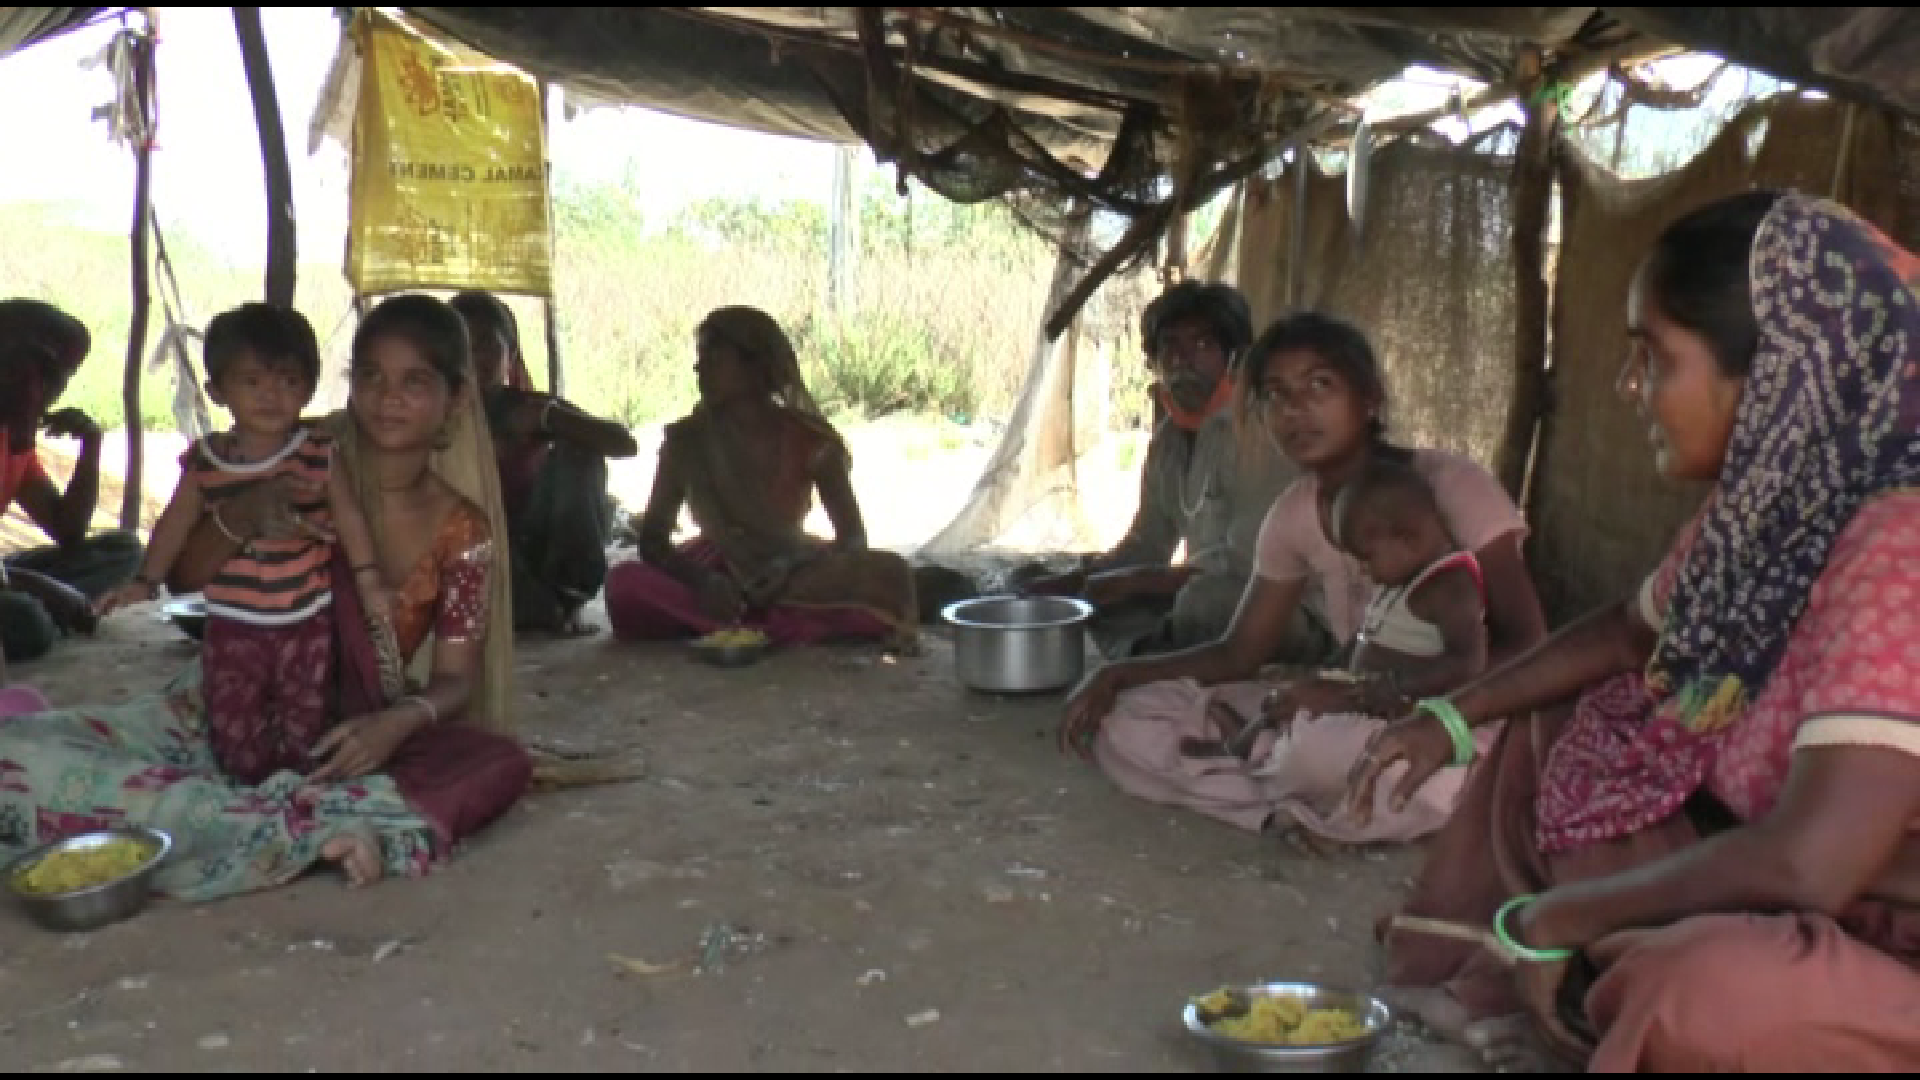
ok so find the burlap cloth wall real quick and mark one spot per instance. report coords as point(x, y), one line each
point(1601, 517)
point(1430, 280)
point(1432, 285)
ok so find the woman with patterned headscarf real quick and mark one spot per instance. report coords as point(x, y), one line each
point(1712, 864)
point(747, 462)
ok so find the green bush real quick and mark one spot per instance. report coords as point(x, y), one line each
point(879, 362)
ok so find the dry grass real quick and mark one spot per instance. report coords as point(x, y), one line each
point(937, 329)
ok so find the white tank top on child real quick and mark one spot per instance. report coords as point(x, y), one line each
point(1390, 624)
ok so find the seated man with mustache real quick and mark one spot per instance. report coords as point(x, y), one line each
point(1200, 485)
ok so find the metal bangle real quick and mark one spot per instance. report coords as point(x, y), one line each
point(433, 714)
point(220, 523)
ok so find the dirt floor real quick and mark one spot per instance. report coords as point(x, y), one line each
point(875, 870)
point(830, 862)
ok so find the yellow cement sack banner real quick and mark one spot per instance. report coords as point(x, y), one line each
point(449, 169)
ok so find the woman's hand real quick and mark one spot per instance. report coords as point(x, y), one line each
point(1320, 697)
point(1112, 588)
point(133, 592)
point(1539, 982)
point(770, 580)
point(720, 599)
point(69, 608)
point(1277, 707)
point(268, 509)
point(1086, 707)
point(1420, 740)
point(362, 745)
point(376, 599)
point(1317, 696)
point(72, 424)
point(1072, 583)
point(1118, 586)
point(616, 441)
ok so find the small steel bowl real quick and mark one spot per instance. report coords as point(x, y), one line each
point(1239, 1056)
point(187, 613)
point(95, 906)
point(730, 656)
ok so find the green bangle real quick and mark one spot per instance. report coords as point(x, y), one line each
point(1517, 951)
point(1449, 716)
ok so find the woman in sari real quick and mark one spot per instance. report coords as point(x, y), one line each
point(553, 475)
point(1711, 863)
point(410, 769)
point(1312, 385)
point(747, 462)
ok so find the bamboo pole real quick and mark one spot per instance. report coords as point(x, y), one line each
point(142, 59)
point(1297, 228)
point(549, 308)
point(282, 254)
point(840, 226)
point(1532, 193)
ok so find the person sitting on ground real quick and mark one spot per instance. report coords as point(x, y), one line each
point(1200, 485)
point(1423, 633)
point(413, 766)
point(269, 636)
point(747, 461)
point(1710, 863)
point(1315, 386)
point(553, 475)
point(47, 591)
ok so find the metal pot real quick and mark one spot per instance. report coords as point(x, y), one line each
point(98, 905)
point(1019, 645)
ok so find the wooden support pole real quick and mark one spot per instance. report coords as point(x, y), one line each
point(1297, 229)
point(841, 220)
point(553, 348)
point(142, 60)
point(1843, 163)
point(1532, 194)
point(550, 310)
point(282, 255)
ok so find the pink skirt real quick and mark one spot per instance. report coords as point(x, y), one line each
point(21, 701)
point(1300, 777)
point(645, 603)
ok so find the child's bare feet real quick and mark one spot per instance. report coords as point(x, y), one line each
point(1225, 722)
point(1438, 1011)
point(358, 855)
point(1302, 840)
point(1514, 1044)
